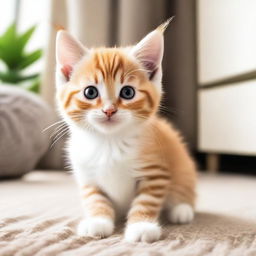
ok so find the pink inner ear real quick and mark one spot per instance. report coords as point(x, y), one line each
point(149, 51)
point(66, 71)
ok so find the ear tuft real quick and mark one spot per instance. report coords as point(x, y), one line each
point(164, 25)
point(69, 51)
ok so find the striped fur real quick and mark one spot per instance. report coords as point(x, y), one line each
point(136, 164)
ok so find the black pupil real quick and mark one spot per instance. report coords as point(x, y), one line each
point(127, 92)
point(91, 92)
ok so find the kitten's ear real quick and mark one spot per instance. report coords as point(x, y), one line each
point(149, 51)
point(68, 52)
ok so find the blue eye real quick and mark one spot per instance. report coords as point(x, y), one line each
point(127, 92)
point(91, 92)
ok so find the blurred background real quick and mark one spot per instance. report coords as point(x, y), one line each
point(209, 67)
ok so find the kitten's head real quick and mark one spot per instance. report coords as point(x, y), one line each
point(109, 89)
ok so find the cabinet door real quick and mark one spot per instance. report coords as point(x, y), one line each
point(227, 119)
point(226, 38)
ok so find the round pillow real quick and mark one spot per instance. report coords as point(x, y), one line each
point(23, 117)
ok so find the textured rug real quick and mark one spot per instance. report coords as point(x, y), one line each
point(38, 215)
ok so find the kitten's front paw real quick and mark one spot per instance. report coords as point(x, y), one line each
point(96, 227)
point(142, 231)
point(181, 213)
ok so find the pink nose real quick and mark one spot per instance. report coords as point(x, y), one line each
point(109, 111)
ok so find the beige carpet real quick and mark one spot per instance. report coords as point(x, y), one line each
point(38, 216)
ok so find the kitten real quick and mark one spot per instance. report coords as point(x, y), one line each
point(126, 159)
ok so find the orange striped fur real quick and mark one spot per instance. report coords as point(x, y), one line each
point(161, 174)
point(95, 202)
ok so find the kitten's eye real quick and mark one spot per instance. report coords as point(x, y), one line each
point(91, 92)
point(127, 92)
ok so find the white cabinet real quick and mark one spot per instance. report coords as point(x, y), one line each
point(227, 119)
point(226, 36)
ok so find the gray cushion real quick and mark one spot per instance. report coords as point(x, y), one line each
point(23, 116)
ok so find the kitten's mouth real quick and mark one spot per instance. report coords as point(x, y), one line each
point(109, 121)
point(110, 124)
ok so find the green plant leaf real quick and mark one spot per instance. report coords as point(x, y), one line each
point(32, 85)
point(10, 54)
point(24, 38)
point(9, 77)
point(35, 86)
point(9, 35)
point(28, 77)
point(15, 77)
point(30, 59)
point(12, 46)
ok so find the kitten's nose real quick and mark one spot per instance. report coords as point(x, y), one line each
point(109, 111)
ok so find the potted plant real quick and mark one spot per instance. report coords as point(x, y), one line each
point(15, 60)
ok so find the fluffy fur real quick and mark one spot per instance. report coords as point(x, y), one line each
point(127, 160)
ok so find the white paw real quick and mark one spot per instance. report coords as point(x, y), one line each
point(142, 231)
point(181, 213)
point(96, 227)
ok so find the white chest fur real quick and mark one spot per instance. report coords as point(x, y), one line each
point(108, 162)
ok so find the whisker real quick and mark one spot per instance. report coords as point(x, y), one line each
point(45, 129)
point(58, 129)
point(140, 116)
point(165, 109)
point(59, 136)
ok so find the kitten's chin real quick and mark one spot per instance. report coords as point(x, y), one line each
point(109, 126)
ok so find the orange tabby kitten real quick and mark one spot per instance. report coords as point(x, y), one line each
point(127, 160)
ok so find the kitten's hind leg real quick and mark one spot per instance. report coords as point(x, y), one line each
point(179, 203)
point(181, 197)
point(180, 213)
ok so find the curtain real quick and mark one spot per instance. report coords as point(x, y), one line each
point(124, 22)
